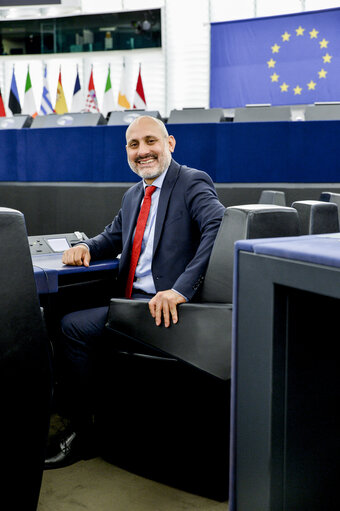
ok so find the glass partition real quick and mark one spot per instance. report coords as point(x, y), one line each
point(97, 32)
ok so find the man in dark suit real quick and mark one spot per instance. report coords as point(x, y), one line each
point(181, 227)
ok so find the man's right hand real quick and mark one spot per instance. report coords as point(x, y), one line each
point(77, 256)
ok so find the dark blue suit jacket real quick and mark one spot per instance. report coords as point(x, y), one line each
point(188, 217)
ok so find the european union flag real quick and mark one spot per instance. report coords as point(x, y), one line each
point(281, 60)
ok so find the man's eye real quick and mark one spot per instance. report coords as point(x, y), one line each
point(151, 141)
point(133, 144)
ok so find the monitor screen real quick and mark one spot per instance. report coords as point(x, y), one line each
point(58, 244)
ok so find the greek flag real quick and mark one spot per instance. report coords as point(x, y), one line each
point(46, 105)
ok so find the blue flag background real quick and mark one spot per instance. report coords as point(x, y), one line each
point(281, 60)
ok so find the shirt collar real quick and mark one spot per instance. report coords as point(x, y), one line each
point(158, 182)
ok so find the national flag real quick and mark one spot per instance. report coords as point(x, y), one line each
point(123, 102)
point(29, 107)
point(139, 99)
point(91, 103)
point(46, 104)
point(108, 101)
point(77, 99)
point(14, 101)
point(2, 107)
point(60, 105)
point(290, 59)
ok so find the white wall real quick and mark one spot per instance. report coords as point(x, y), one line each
point(174, 76)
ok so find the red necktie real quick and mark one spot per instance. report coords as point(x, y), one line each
point(137, 241)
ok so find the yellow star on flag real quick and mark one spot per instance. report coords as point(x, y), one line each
point(311, 85)
point(323, 43)
point(284, 87)
point(327, 58)
point(275, 48)
point(271, 63)
point(300, 30)
point(285, 36)
point(297, 90)
point(274, 77)
point(314, 34)
point(322, 73)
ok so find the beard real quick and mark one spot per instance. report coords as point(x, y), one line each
point(151, 171)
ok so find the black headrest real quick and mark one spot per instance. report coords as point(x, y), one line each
point(272, 197)
point(317, 217)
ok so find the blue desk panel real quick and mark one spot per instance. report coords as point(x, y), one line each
point(48, 268)
point(286, 152)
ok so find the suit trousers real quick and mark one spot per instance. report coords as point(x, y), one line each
point(78, 356)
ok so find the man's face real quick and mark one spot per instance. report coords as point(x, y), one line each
point(148, 150)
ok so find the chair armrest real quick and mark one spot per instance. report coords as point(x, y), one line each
point(202, 336)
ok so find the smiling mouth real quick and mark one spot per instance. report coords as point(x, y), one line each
point(146, 161)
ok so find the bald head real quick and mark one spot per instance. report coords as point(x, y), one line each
point(149, 147)
point(142, 119)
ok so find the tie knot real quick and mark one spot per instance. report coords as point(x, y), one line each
point(149, 190)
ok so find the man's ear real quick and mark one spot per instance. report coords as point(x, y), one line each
point(172, 143)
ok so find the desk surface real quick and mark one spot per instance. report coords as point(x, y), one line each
point(321, 249)
point(48, 268)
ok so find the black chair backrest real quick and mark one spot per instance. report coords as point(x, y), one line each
point(322, 112)
point(242, 222)
point(272, 197)
point(331, 197)
point(262, 114)
point(25, 374)
point(196, 115)
point(317, 217)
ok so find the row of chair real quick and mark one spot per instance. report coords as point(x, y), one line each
point(202, 337)
point(183, 116)
point(190, 364)
point(315, 217)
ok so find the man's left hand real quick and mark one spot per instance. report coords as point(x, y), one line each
point(164, 303)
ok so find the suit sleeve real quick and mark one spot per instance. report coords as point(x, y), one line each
point(206, 212)
point(108, 244)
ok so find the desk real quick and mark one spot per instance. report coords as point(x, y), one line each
point(50, 272)
point(285, 390)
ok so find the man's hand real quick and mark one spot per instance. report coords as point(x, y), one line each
point(77, 256)
point(165, 303)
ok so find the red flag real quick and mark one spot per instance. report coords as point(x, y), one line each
point(91, 103)
point(139, 99)
point(2, 106)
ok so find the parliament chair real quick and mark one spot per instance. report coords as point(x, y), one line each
point(263, 113)
point(196, 115)
point(169, 388)
point(317, 217)
point(68, 120)
point(16, 122)
point(323, 112)
point(126, 117)
point(25, 370)
point(331, 197)
point(272, 197)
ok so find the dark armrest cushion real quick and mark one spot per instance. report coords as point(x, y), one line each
point(202, 336)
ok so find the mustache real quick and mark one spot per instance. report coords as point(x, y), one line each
point(149, 155)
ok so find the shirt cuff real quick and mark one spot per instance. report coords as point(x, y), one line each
point(185, 298)
point(84, 245)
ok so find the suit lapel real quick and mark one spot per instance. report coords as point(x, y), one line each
point(167, 187)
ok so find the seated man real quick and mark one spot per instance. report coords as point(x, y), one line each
point(165, 232)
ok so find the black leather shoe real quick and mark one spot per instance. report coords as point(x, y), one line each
point(68, 451)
